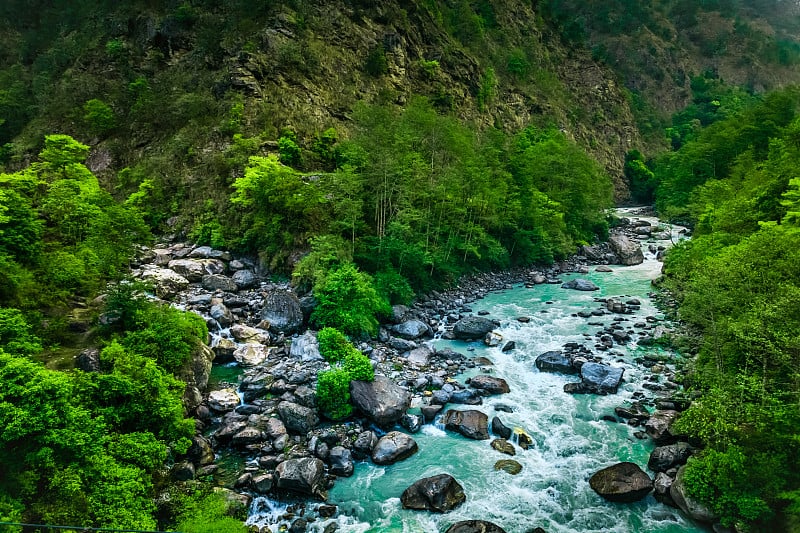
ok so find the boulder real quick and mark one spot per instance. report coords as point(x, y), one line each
point(555, 362)
point(248, 435)
point(659, 424)
point(166, 283)
point(622, 482)
point(411, 329)
point(218, 282)
point(195, 269)
point(224, 349)
point(500, 429)
point(341, 462)
point(411, 422)
point(472, 328)
point(297, 418)
point(475, 526)
point(580, 284)
point(510, 345)
point(183, 471)
point(503, 446)
point(421, 355)
point(601, 379)
point(305, 475)
point(88, 360)
point(466, 397)
point(196, 374)
point(439, 494)
point(364, 443)
point(663, 458)
point(262, 483)
point(508, 465)
point(305, 347)
point(283, 312)
point(382, 401)
point(244, 279)
point(200, 452)
point(243, 333)
point(489, 384)
point(392, 447)
point(686, 503)
point(661, 487)
point(628, 252)
point(250, 355)
point(471, 423)
point(492, 339)
point(223, 400)
point(221, 314)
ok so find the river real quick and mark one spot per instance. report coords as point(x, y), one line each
point(571, 441)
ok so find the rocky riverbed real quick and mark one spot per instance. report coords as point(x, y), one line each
point(286, 457)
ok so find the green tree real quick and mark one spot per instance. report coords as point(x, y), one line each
point(333, 393)
point(347, 300)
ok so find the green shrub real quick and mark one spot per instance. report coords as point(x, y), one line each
point(393, 287)
point(347, 300)
point(333, 345)
point(15, 334)
point(333, 393)
point(358, 366)
point(99, 116)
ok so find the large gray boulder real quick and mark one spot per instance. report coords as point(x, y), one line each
point(665, 457)
point(472, 328)
point(695, 509)
point(297, 418)
point(195, 269)
point(392, 447)
point(305, 475)
point(382, 401)
point(439, 494)
point(341, 462)
point(283, 312)
point(555, 362)
point(411, 329)
point(196, 374)
point(475, 526)
point(305, 347)
point(580, 284)
point(244, 279)
point(223, 400)
point(166, 283)
point(489, 384)
point(628, 251)
point(218, 282)
point(622, 482)
point(601, 379)
point(658, 426)
point(471, 423)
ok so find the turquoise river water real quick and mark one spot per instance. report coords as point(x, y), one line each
point(571, 441)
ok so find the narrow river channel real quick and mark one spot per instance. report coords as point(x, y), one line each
point(571, 441)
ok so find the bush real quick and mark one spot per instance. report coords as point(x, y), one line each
point(333, 393)
point(15, 334)
point(358, 366)
point(346, 299)
point(99, 116)
point(333, 345)
point(393, 287)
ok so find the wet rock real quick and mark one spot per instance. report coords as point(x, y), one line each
point(262, 483)
point(661, 486)
point(251, 355)
point(200, 452)
point(472, 328)
point(489, 384)
point(392, 447)
point(297, 418)
point(510, 345)
point(429, 412)
point(183, 471)
point(471, 423)
point(580, 284)
point(305, 475)
point(223, 400)
point(601, 379)
point(305, 347)
point(503, 446)
point(411, 422)
point(194, 269)
point(244, 279)
point(508, 465)
point(243, 333)
point(224, 350)
point(475, 526)
point(622, 482)
point(441, 493)
point(658, 426)
point(341, 461)
point(500, 429)
point(283, 312)
point(686, 503)
point(555, 362)
point(492, 339)
point(221, 314)
point(420, 356)
point(629, 252)
point(603, 268)
point(382, 401)
point(248, 435)
point(364, 443)
point(411, 329)
point(466, 397)
point(663, 458)
point(636, 411)
point(218, 282)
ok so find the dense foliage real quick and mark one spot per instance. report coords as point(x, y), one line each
point(738, 286)
point(347, 364)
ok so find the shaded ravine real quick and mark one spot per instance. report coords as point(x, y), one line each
point(571, 440)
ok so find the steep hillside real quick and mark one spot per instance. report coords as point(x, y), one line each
point(160, 89)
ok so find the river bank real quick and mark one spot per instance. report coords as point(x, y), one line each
point(267, 418)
